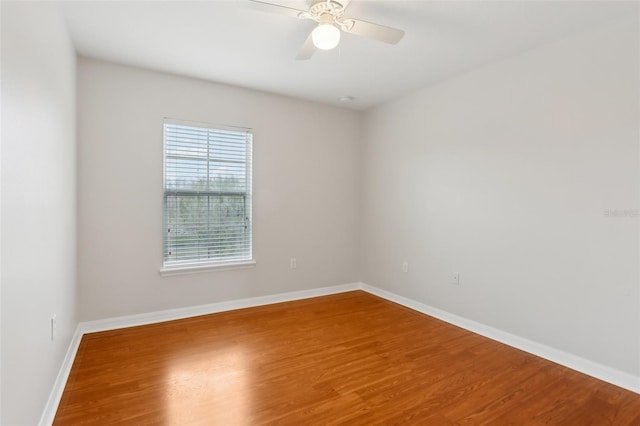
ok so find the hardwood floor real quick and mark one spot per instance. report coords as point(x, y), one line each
point(350, 358)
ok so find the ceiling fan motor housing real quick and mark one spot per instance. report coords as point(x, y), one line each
point(326, 7)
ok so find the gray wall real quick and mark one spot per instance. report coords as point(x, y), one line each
point(505, 175)
point(305, 189)
point(38, 243)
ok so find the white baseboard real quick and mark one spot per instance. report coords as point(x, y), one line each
point(51, 407)
point(574, 362)
point(211, 308)
point(599, 371)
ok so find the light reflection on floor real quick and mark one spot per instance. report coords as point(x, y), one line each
point(198, 383)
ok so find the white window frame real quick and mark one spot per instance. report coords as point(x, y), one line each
point(168, 269)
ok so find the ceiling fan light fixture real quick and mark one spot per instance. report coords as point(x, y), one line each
point(325, 36)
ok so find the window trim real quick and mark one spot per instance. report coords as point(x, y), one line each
point(193, 268)
point(206, 265)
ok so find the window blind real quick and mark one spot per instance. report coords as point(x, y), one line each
point(207, 194)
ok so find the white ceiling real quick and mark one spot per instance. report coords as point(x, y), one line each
point(228, 42)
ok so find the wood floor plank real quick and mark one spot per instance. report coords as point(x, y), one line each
point(350, 358)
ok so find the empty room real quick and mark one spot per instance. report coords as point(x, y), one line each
point(318, 212)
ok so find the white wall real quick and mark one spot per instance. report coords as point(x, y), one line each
point(504, 175)
point(38, 205)
point(305, 190)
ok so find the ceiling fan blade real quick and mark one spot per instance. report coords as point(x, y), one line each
point(275, 8)
point(308, 49)
point(374, 31)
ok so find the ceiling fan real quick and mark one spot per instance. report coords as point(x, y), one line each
point(329, 14)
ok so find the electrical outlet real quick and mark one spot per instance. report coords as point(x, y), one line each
point(405, 266)
point(455, 278)
point(53, 326)
point(293, 263)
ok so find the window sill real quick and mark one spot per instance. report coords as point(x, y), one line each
point(196, 268)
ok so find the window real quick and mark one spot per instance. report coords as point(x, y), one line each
point(207, 196)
